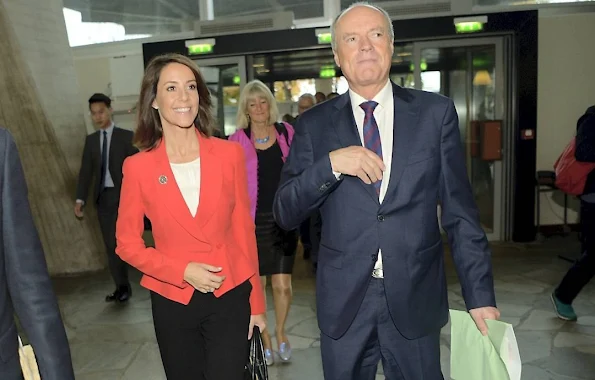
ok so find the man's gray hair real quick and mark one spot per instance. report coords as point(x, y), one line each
point(391, 30)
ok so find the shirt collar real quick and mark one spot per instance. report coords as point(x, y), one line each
point(109, 129)
point(384, 96)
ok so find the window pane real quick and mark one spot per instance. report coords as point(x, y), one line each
point(301, 8)
point(98, 21)
point(525, 2)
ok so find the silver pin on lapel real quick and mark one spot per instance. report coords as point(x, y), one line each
point(162, 180)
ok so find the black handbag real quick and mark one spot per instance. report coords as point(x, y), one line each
point(256, 367)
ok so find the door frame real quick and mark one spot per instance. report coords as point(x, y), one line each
point(239, 60)
point(501, 176)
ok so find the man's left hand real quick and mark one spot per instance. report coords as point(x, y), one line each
point(480, 314)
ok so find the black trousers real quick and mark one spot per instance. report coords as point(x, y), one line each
point(206, 339)
point(583, 269)
point(107, 212)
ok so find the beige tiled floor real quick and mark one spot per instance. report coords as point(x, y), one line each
point(117, 342)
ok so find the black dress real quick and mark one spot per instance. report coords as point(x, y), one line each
point(276, 247)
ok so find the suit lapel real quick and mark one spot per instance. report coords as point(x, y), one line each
point(97, 151)
point(169, 191)
point(344, 122)
point(210, 182)
point(406, 115)
point(346, 129)
point(113, 148)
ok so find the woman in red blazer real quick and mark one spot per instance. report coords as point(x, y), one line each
point(203, 272)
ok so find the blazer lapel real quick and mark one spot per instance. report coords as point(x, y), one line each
point(210, 181)
point(346, 129)
point(344, 122)
point(405, 121)
point(170, 194)
point(113, 148)
point(96, 150)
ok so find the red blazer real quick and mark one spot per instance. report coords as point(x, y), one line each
point(221, 234)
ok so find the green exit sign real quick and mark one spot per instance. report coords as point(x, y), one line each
point(324, 38)
point(202, 46)
point(200, 49)
point(327, 72)
point(470, 24)
point(469, 27)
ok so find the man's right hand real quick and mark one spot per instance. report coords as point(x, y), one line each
point(357, 161)
point(202, 277)
point(78, 209)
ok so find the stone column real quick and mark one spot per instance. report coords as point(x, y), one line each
point(39, 104)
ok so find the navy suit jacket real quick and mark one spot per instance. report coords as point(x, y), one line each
point(25, 286)
point(428, 168)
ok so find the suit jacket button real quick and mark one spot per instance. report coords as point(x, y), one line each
point(380, 218)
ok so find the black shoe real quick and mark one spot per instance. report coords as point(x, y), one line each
point(125, 294)
point(121, 294)
point(112, 297)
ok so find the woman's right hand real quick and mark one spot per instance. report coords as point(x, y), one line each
point(202, 277)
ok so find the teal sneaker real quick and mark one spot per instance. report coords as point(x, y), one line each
point(564, 311)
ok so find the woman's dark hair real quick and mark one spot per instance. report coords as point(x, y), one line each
point(148, 129)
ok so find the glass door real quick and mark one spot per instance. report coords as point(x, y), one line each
point(471, 73)
point(225, 78)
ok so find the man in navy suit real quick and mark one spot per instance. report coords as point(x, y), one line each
point(26, 290)
point(395, 154)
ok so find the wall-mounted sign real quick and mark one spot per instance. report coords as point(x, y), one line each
point(327, 72)
point(324, 36)
point(470, 24)
point(197, 47)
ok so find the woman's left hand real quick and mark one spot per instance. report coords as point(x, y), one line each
point(256, 320)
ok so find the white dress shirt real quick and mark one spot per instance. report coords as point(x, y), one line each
point(187, 177)
point(109, 182)
point(384, 113)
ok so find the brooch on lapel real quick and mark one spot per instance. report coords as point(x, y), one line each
point(162, 180)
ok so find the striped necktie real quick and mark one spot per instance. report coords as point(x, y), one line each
point(371, 134)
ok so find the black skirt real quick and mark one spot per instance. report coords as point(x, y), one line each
point(276, 247)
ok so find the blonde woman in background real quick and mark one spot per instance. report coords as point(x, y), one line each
point(266, 144)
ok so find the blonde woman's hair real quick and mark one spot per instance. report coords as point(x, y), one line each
point(256, 89)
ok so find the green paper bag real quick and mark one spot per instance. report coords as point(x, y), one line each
point(474, 356)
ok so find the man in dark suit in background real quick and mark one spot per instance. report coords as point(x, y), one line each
point(25, 286)
point(103, 156)
point(380, 287)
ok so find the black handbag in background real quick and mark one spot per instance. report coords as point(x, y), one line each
point(256, 367)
